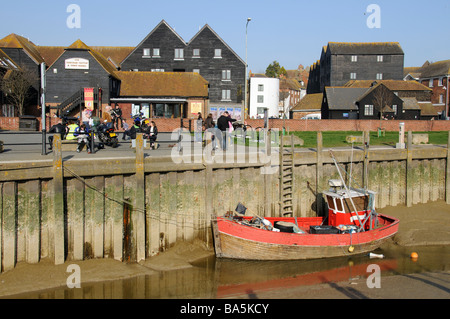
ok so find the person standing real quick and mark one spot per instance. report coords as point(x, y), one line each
point(198, 128)
point(126, 128)
point(152, 134)
point(57, 128)
point(223, 124)
point(209, 130)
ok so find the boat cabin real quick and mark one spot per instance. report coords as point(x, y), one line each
point(350, 207)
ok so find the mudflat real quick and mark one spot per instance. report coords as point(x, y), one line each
point(420, 225)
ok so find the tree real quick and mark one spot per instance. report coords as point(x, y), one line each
point(382, 97)
point(274, 70)
point(17, 85)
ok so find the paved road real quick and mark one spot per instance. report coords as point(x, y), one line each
point(20, 146)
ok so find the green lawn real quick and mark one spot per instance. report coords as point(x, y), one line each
point(337, 138)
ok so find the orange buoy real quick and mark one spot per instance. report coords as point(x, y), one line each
point(414, 255)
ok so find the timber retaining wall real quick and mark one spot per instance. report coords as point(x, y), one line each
point(133, 208)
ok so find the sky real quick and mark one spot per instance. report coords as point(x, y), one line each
point(291, 32)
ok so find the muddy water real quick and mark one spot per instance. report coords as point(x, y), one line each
point(212, 278)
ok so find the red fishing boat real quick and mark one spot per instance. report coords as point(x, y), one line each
point(351, 227)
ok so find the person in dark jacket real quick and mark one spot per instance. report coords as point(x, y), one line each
point(223, 124)
point(57, 128)
point(152, 134)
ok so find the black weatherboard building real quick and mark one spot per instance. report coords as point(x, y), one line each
point(163, 50)
point(341, 62)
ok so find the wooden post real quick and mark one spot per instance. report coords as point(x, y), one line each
point(9, 218)
point(58, 201)
point(319, 173)
point(409, 172)
point(447, 173)
point(138, 214)
point(366, 160)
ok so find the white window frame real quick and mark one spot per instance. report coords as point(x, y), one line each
point(379, 76)
point(368, 110)
point(430, 84)
point(179, 54)
point(354, 58)
point(226, 95)
point(379, 58)
point(440, 81)
point(395, 108)
point(260, 87)
point(226, 75)
point(353, 76)
point(146, 53)
point(217, 53)
point(196, 71)
point(194, 55)
point(156, 53)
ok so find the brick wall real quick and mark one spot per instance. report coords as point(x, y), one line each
point(168, 125)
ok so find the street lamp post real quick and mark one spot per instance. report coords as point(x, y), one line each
point(246, 72)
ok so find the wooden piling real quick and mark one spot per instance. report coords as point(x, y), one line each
point(409, 172)
point(138, 214)
point(9, 225)
point(58, 202)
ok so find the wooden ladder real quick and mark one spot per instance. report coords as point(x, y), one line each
point(287, 178)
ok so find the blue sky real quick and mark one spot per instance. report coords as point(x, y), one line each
point(289, 31)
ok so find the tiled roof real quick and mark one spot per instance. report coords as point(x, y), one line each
point(393, 85)
point(288, 84)
point(162, 84)
point(309, 102)
point(410, 103)
point(365, 48)
point(80, 45)
point(19, 42)
point(439, 68)
point(428, 109)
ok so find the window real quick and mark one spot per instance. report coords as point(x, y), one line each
point(440, 81)
point(196, 53)
point(157, 70)
point(352, 76)
point(156, 53)
point(441, 98)
point(379, 58)
point(226, 95)
point(226, 75)
point(379, 76)
point(146, 53)
point(55, 70)
point(431, 83)
point(394, 107)
point(354, 58)
point(260, 87)
point(260, 99)
point(368, 110)
point(179, 54)
point(196, 71)
point(218, 53)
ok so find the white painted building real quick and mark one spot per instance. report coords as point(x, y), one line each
point(264, 94)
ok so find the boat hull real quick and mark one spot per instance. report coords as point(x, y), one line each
point(233, 240)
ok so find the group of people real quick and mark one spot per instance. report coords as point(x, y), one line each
point(72, 131)
point(150, 132)
point(224, 125)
